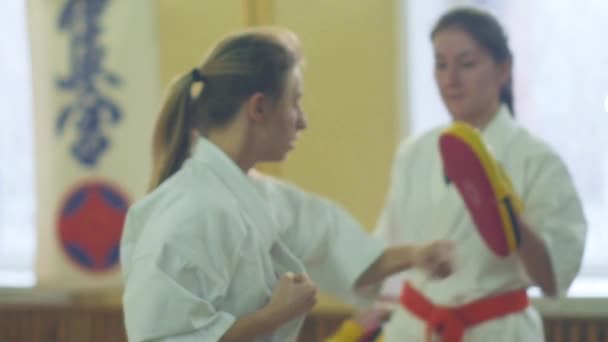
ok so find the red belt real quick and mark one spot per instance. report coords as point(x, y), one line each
point(451, 322)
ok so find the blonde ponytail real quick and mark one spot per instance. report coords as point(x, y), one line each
point(171, 133)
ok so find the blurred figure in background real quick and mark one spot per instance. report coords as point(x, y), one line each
point(485, 299)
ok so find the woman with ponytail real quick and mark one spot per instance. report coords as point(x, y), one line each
point(218, 252)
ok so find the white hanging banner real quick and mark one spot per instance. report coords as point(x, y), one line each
point(96, 86)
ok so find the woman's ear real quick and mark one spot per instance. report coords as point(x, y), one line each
point(256, 106)
point(504, 70)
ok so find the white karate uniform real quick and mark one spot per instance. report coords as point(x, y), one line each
point(209, 245)
point(422, 207)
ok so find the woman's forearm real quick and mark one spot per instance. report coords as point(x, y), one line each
point(257, 324)
point(535, 257)
point(435, 258)
point(292, 296)
point(393, 260)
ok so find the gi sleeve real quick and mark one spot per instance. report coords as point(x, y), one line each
point(553, 208)
point(171, 294)
point(334, 247)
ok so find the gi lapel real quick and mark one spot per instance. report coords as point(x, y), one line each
point(255, 206)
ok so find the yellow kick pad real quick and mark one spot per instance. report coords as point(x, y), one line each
point(483, 185)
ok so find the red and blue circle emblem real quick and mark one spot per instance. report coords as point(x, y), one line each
point(90, 225)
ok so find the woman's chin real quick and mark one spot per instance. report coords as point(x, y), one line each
point(276, 158)
point(460, 115)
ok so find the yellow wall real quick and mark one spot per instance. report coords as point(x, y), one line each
point(350, 80)
point(350, 98)
point(189, 28)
